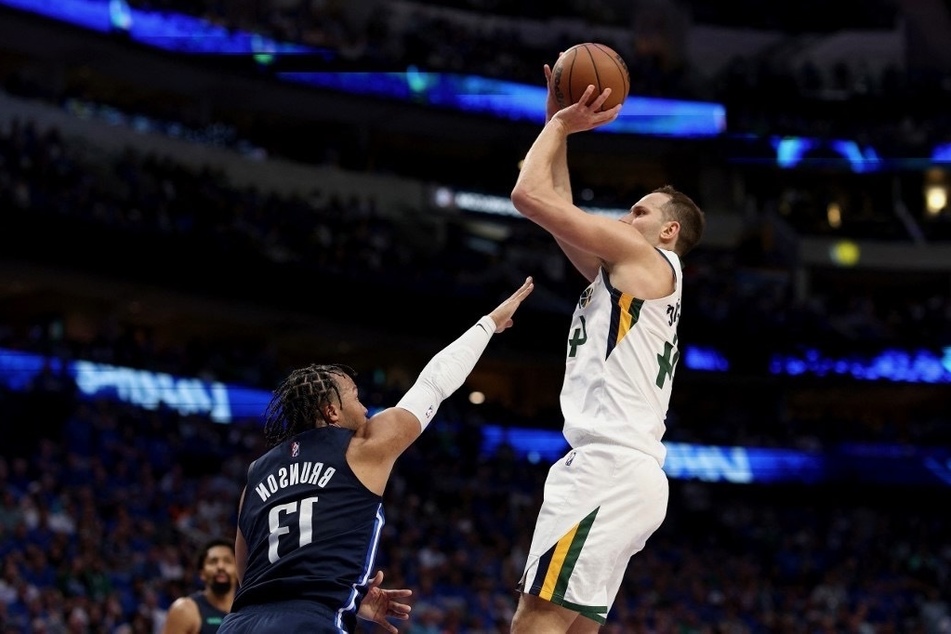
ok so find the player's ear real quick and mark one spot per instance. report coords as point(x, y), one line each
point(670, 230)
point(331, 413)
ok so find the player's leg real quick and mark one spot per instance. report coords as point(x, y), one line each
point(538, 616)
point(584, 625)
point(599, 508)
point(554, 589)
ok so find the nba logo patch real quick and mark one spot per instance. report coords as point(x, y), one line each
point(570, 458)
point(295, 449)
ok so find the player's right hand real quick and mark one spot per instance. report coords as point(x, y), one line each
point(502, 315)
point(582, 115)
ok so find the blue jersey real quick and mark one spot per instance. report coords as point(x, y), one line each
point(311, 526)
point(211, 616)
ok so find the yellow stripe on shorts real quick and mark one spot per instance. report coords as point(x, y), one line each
point(559, 562)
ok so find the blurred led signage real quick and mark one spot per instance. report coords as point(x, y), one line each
point(519, 102)
point(227, 403)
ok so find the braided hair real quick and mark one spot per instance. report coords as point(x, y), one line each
point(297, 404)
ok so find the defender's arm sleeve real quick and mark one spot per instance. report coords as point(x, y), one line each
point(447, 371)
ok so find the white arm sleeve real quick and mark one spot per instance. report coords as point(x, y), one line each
point(447, 371)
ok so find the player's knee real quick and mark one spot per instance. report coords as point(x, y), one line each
point(537, 616)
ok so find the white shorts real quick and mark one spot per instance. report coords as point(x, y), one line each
point(600, 505)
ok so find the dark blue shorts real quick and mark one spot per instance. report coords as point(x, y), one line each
point(285, 617)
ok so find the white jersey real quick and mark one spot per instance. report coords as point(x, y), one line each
point(622, 353)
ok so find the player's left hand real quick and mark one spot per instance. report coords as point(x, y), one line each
point(551, 103)
point(380, 604)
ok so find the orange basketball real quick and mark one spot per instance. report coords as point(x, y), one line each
point(590, 64)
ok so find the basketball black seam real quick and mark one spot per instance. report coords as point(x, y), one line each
point(594, 67)
point(571, 69)
point(624, 75)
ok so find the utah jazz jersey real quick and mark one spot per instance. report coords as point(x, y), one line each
point(210, 615)
point(622, 353)
point(311, 526)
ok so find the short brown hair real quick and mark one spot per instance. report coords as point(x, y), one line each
point(684, 210)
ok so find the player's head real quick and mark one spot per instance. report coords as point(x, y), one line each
point(312, 396)
point(668, 218)
point(217, 567)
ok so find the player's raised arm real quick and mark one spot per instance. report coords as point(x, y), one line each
point(387, 434)
point(540, 197)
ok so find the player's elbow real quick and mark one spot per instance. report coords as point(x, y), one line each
point(527, 200)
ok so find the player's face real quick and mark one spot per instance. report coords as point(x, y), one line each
point(647, 216)
point(220, 573)
point(353, 413)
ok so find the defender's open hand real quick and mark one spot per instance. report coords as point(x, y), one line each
point(502, 316)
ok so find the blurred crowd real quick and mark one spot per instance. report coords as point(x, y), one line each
point(899, 106)
point(103, 505)
point(130, 205)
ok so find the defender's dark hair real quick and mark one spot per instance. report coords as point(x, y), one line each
point(206, 548)
point(297, 403)
point(684, 210)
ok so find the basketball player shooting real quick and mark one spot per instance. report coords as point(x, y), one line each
point(609, 493)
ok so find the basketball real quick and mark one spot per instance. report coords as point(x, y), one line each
point(590, 64)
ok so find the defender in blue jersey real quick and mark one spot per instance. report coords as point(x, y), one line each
point(609, 493)
point(311, 513)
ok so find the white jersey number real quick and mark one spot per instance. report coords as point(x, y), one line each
point(304, 527)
